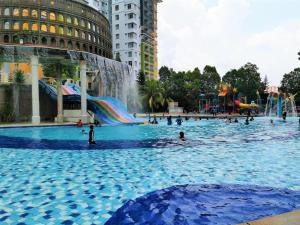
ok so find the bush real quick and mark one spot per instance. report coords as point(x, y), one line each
point(19, 77)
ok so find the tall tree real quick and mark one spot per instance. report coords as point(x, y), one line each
point(209, 79)
point(246, 79)
point(291, 83)
point(152, 94)
point(164, 73)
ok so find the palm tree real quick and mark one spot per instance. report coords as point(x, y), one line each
point(152, 94)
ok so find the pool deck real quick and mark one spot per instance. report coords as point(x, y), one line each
point(24, 125)
point(291, 218)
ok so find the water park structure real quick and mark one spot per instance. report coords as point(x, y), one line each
point(61, 36)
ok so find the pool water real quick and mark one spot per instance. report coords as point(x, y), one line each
point(45, 180)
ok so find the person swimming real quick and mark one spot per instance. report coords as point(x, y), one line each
point(154, 120)
point(92, 136)
point(83, 132)
point(247, 121)
point(252, 118)
point(79, 123)
point(179, 120)
point(181, 136)
point(169, 120)
point(236, 120)
point(272, 122)
point(284, 115)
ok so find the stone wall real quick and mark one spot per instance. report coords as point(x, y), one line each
point(16, 101)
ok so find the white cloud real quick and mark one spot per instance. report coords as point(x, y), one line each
point(193, 35)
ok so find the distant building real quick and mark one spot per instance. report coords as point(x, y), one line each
point(149, 38)
point(103, 6)
point(126, 32)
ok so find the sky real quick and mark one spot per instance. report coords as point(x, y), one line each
point(228, 34)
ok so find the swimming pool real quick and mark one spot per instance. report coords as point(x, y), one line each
point(45, 179)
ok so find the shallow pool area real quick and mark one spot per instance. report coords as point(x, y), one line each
point(52, 176)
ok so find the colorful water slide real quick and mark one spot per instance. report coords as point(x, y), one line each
point(245, 106)
point(107, 110)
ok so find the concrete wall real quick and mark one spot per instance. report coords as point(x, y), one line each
point(21, 103)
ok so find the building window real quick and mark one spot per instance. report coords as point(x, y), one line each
point(75, 21)
point(129, 6)
point(117, 46)
point(34, 13)
point(83, 35)
point(16, 26)
point(52, 29)
point(44, 15)
point(25, 26)
point(117, 17)
point(69, 19)
point(89, 25)
point(117, 7)
point(129, 54)
point(131, 15)
point(6, 39)
point(89, 37)
point(61, 30)
point(60, 17)
point(117, 26)
point(76, 33)
point(16, 12)
point(117, 36)
point(34, 27)
point(82, 23)
point(69, 31)
point(6, 12)
point(52, 16)
point(6, 25)
point(94, 27)
point(25, 12)
point(130, 63)
point(44, 27)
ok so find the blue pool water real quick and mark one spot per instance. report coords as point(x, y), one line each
point(52, 176)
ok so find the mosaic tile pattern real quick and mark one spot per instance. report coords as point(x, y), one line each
point(206, 204)
point(44, 186)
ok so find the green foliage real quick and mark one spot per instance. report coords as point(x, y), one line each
point(164, 73)
point(56, 68)
point(209, 80)
point(152, 94)
point(7, 114)
point(141, 79)
point(291, 83)
point(19, 77)
point(247, 80)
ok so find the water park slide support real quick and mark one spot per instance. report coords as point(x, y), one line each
point(107, 110)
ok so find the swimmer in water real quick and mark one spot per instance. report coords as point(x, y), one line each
point(83, 132)
point(92, 136)
point(247, 121)
point(169, 120)
point(179, 120)
point(272, 122)
point(181, 136)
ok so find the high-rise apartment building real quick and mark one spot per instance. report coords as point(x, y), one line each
point(126, 32)
point(134, 32)
point(149, 38)
point(103, 6)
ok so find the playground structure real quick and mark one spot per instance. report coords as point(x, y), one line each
point(278, 103)
point(107, 110)
point(226, 100)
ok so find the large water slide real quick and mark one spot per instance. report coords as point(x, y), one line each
point(107, 110)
